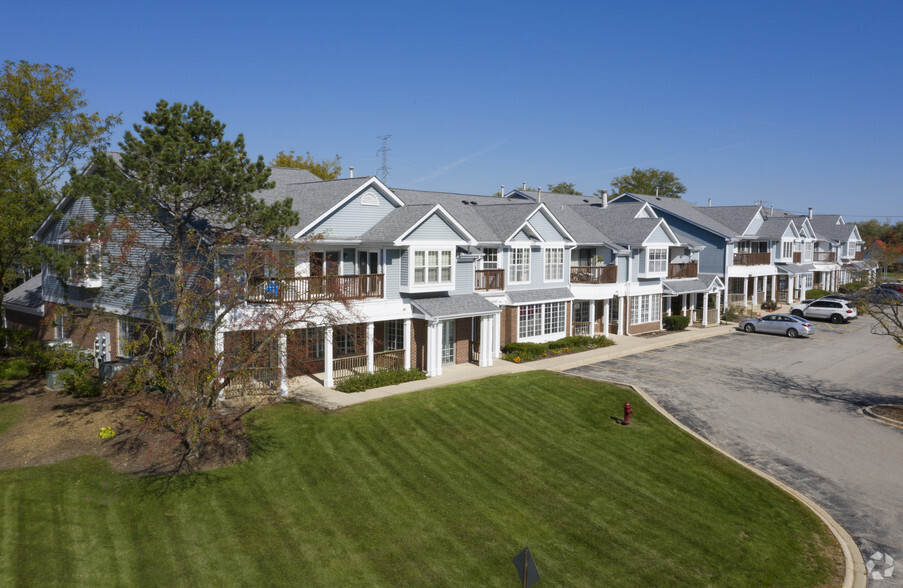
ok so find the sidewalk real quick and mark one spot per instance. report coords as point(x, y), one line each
point(309, 390)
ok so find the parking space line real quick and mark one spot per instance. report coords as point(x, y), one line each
point(598, 367)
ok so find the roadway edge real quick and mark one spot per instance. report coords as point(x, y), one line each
point(855, 575)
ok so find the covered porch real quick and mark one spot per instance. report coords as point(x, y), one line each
point(699, 299)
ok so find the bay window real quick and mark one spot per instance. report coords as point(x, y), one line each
point(432, 267)
point(657, 261)
point(645, 309)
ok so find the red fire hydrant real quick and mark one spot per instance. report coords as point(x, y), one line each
point(627, 411)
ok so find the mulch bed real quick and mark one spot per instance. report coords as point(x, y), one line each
point(56, 427)
point(892, 412)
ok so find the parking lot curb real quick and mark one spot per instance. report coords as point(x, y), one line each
point(866, 411)
point(855, 574)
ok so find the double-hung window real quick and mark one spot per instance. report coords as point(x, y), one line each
point(490, 258)
point(657, 261)
point(432, 267)
point(787, 250)
point(554, 265)
point(529, 321)
point(807, 251)
point(519, 266)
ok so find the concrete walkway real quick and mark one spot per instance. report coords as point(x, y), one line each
point(306, 389)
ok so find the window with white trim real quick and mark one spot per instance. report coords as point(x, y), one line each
point(529, 320)
point(645, 309)
point(656, 261)
point(534, 320)
point(519, 265)
point(490, 258)
point(787, 249)
point(433, 266)
point(807, 252)
point(553, 269)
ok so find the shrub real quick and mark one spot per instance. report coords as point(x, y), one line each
point(521, 352)
point(732, 313)
point(815, 293)
point(770, 305)
point(852, 287)
point(14, 369)
point(14, 342)
point(676, 322)
point(362, 382)
point(82, 381)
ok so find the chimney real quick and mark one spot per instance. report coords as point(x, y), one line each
point(710, 202)
point(810, 212)
point(604, 198)
point(539, 196)
point(350, 171)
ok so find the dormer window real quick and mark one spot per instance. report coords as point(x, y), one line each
point(432, 267)
point(79, 264)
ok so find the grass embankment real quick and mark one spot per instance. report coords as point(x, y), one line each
point(442, 487)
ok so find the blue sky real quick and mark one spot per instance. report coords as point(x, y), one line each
point(794, 103)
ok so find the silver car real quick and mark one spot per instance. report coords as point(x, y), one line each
point(782, 324)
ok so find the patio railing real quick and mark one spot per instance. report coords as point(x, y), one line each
point(308, 289)
point(597, 274)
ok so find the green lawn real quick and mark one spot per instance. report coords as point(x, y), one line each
point(9, 416)
point(436, 488)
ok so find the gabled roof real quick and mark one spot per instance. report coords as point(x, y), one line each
point(737, 218)
point(683, 209)
point(401, 222)
point(315, 200)
point(618, 221)
point(456, 305)
point(826, 227)
point(775, 228)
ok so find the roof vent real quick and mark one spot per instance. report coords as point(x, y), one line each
point(474, 202)
point(464, 202)
point(350, 171)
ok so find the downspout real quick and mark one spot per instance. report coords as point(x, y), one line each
point(626, 317)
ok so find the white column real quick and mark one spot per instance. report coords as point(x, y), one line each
point(745, 290)
point(486, 341)
point(606, 309)
point(683, 305)
point(327, 358)
point(774, 287)
point(282, 352)
point(497, 336)
point(592, 318)
point(755, 292)
point(407, 344)
point(705, 309)
point(718, 303)
point(434, 349)
point(370, 329)
point(790, 286)
point(621, 318)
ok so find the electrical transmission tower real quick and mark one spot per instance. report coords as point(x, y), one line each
point(384, 152)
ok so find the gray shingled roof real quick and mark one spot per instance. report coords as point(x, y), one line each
point(618, 221)
point(686, 210)
point(546, 295)
point(457, 305)
point(737, 218)
point(773, 228)
point(397, 223)
point(311, 196)
point(794, 268)
point(826, 227)
point(26, 295)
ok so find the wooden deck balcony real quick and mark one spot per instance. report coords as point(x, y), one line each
point(762, 258)
point(797, 257)
point(683, 270)
point(597, 274)
point(823, 257)
point(858, 256)
point(309, 289)
point(490, 279)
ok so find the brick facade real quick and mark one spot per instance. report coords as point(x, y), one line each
point(463, 328)
point(418, 344)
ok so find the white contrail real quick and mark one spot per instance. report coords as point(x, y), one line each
point(446, 168)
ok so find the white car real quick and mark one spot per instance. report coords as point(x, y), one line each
point(829, 309)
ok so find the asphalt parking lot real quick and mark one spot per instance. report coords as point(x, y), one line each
point(789, 407)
